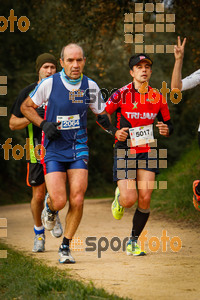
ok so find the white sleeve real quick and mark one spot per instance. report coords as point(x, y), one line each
point(97, 103)
point(191, 81)
point(42, 91)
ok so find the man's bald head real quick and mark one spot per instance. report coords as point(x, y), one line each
point(72, 60)
point(70, 46)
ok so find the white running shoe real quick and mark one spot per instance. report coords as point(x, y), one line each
point(39, 242)
point(48, 217)
point(65, 255)
point(57, 231)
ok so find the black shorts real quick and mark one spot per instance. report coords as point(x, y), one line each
point(125, 166)
point(35, 174)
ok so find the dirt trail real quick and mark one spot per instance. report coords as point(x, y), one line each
point(159, 275)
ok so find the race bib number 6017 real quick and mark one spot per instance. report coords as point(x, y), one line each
point(68, 122)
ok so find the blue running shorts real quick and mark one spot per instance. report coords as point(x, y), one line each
point(60, 166)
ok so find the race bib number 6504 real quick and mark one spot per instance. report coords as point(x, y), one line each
point(141, 135)
point(68, 122)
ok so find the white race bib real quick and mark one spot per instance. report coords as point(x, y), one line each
point(68, 122)
point(141, 135)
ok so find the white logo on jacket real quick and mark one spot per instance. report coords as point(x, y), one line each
point(137, 115)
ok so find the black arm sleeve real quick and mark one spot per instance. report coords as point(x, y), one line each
point(104, 122)
point(15, 110)
point(169, 123)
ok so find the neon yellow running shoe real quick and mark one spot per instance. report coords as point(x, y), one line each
point(132, 248)
point(117, 209)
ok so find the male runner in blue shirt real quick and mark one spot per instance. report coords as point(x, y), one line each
point(65, 138)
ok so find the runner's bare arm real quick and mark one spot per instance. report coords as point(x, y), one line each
point(16, 123)
point(177, 71)
point(28, 109)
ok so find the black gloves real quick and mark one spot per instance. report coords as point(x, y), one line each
point(40, 111)
point(50, 130)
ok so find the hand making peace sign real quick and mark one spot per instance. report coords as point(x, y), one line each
point(179, 49)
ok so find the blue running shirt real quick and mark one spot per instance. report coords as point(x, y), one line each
point(70, 107)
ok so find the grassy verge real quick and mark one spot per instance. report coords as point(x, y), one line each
point(22, 277)
point(176, 201)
